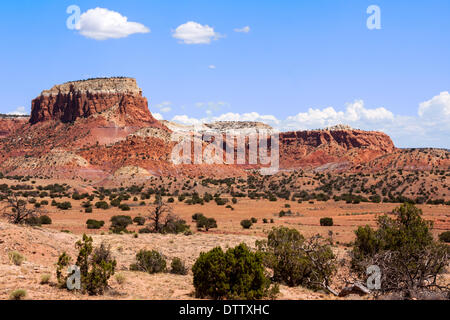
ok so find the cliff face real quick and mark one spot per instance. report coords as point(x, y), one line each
point(339, 147)
point(81, 99)
point(347, 139)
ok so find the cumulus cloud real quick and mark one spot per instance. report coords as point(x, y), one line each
point(184, 119)
point(158, 116)
point(194, 33)
point(355, 114)
point(212, 66)
point(436, 107)
point(431, 128)
point(20, 111)
point(102, 24)
point(245, 29)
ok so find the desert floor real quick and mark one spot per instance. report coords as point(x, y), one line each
point(41, 246)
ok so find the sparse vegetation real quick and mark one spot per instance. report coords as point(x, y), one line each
point(18, 294)
point(177, 267)
point(16, 258)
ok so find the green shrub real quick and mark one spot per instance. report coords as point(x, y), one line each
point(445, 237)
point(124, 207)
point(171, 200)
point(177, 267)
point(296, 261)
point(45, 219)
point(120, 278)
point(120, 223)
point(94, 224)
point(18, 294)
point(246, 224)
point(96, 266)
point(115, 202)
point(326, 222)
point(149, 261)
point(64, 205)
point(88, 210)
point(235, 274)
point(197, 216)
point(140, 221)
point(173, 224)
point(61, 267)
point(220, 201)
point(254, 220)
point(265, 220)
point(45, 278)
point(102, 205)
point(404, 250)
point(33, 221)
point(145, 230)
point(206, 223)
point(16, 258)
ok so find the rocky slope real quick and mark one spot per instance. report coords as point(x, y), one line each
point(9, 125)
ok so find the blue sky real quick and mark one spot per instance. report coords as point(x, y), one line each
point(301, 65)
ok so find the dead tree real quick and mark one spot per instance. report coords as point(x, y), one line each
point(157, 215)
point(16, 210)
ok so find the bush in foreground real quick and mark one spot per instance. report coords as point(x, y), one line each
point(404, 250)
point(96, 266)
point(237, 273)
point(297, 261)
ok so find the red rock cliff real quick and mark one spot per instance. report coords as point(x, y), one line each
point(81, 99)
point(319, 147)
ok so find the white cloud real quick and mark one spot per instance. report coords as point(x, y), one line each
point(355, 114)
point(431, 128)
point(102, 24)
point(184, 119)
point(158, 116)
point(436, 107)
point(194, 33)
point(164, 106)
point(212, 66)
point(245, 29)
point(20, 111)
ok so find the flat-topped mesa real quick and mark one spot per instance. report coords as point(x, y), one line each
point(97, 85)
point(80, 99)
point(344, 138)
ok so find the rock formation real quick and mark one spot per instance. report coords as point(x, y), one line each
point(81, 99)
point(102, 129)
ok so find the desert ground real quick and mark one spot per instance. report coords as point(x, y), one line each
point(42, 245)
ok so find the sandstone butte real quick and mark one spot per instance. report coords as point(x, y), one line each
point(102, 129)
